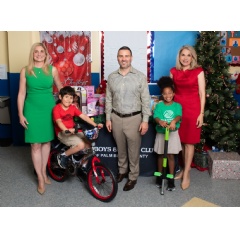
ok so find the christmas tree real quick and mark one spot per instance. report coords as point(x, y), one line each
point(221, 128)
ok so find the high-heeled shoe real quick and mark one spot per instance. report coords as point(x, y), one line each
point(41, 190)
point(48, 181)
point(179, 175)
point(186, 182)
point(185, 185)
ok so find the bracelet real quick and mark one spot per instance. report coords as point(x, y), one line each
point(202, 113)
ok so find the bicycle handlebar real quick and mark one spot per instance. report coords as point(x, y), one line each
point(75, 132)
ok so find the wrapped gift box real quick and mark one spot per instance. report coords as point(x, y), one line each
point(201, 160)
point(224, 165)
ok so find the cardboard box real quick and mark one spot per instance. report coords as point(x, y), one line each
point(102, 100)
point(89, 91)
point(224, 165)
point(93, 105)
point(82, 93)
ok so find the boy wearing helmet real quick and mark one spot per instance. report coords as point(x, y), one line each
point(63, 117)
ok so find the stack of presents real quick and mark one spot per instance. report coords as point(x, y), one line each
point(91, 103)
point(220, 164)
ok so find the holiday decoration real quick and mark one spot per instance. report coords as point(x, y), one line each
point(65, 67)
point(150, 57)
point(221, 128)
point(102, 54)
point(78, 59)
point(200, 161)
point(70, 53)
point(102, 87)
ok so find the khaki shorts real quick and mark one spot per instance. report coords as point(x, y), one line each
point(71, 139)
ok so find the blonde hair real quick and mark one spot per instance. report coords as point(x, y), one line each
point(193, 64)
point(31, 60)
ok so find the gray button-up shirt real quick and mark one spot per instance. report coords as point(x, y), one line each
point(127, 94)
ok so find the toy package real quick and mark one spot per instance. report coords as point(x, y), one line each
point(81, 99)
point(93, 105)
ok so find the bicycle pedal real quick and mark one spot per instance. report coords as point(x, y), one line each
point(71, 169)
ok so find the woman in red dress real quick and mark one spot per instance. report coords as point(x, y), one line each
point(189, 81)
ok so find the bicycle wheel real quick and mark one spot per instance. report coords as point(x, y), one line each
point(102, 185)
point(54, 171)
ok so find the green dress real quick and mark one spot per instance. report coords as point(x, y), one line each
point(38, 106)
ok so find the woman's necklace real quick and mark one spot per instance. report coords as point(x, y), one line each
point(38, 70)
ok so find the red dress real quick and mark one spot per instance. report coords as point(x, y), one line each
point(187, 94)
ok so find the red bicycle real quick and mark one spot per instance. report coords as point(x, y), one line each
point(99, 179)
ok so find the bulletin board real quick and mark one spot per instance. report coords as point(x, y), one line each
point(230, 43)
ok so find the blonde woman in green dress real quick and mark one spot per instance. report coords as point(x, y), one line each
point(35, 104)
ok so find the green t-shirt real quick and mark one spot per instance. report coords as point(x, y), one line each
point(167, 113)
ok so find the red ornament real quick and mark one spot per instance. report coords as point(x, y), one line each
point(206, 147)
point(54, 58)
point(65, 67)
point(85, 40)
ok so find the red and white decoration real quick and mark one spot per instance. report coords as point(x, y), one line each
point(70, 53)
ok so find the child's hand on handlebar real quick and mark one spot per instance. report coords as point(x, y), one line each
point(71, 130)
point(163, 124)
point(99, 126)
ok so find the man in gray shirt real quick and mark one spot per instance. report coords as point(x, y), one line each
point(127, 113)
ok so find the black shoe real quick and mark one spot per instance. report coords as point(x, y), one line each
point(159, 181)
point(120, 177)
point(62, 161)
point(129, 185)
point(171, 185)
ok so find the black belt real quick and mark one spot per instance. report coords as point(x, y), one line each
point(126, 115)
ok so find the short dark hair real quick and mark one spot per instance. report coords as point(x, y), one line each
point(67, 90)
point(125, 48)
point(165, 82)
